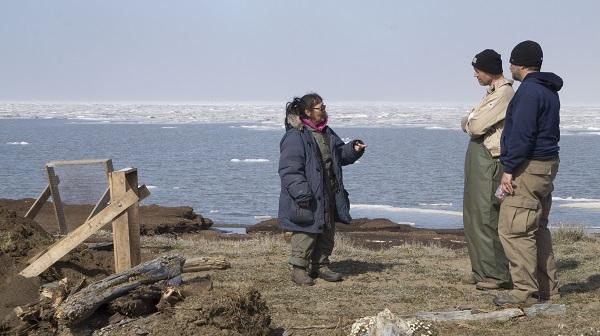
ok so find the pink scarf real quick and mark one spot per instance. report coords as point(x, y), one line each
point(318, 127)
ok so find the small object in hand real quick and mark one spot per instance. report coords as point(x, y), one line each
point(359, 145)
point(500, 193)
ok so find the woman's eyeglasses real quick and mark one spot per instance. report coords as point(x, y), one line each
point(322, 108)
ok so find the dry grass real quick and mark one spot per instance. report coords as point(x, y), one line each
point(566, 234)
point(405, 279)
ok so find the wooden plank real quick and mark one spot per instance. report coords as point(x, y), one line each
point(126, 227)
point(108, 168)
point(75, 162)
point(143, 192)
point(58, 206)
point(83, 232)
point(102, 203)
point(38, 204)
point(133, 214)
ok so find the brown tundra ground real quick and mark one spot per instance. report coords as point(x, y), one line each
point(406, 279)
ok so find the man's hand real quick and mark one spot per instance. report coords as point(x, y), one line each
point(507, 183)
point(463, 123)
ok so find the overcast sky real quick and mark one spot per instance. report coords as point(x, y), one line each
point(220, 50)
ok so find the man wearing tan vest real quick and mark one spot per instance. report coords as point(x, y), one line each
point(489, 266)
point(530, 159)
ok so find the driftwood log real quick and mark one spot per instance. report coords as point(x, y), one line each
point(470, 315)
point(502, 314)
point(201, 264)
point(83, 304)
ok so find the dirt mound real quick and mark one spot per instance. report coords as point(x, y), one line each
point(81, 263)
point(154, 219)
point(160, 220)
point(381, 233)
point(22, 239)
point(217, 312)
point(357, 225)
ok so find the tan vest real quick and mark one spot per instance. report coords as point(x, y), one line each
point(487, 118)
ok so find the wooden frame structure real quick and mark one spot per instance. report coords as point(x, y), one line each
point(52, 190)
point(119, 205)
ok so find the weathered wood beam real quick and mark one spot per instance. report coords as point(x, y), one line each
point(72, 240)
point(76, 162)
point(101, 204)
point(126, 227)
point(81, 305)
point(39, 203)
point(200, 264)
point(58, 206)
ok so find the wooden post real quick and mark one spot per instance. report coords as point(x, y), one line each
point(38, 204)
point(126, 227)
point(58, 206)
point(108, 168)
point(84, 231)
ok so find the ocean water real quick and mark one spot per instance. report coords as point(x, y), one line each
point(222, 159)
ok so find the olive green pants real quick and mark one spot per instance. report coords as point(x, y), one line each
point(312, 248)
point(524, 230)
point(480, 215)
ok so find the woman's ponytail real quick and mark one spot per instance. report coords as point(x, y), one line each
point(294, 107)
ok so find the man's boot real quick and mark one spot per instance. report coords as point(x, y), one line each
point(300, 276)
point(326, 273)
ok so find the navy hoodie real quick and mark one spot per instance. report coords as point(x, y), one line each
point(531, 127)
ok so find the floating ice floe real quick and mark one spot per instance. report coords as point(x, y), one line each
point(389, 208)
point(438, 128)
point(573, 199)
point(584, 205)
point(269, 114)
point(249, 160)
point(441, 205)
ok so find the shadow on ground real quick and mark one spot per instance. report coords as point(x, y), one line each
point(592, 283)
point(355, 267)
point(567, 264)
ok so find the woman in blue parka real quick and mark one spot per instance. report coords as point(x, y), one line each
point(313, 196)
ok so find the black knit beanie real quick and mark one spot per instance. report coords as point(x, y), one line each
point(488, 61)
point(527, 53)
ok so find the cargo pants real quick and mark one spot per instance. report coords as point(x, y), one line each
point(312, 248)
point(523, 230)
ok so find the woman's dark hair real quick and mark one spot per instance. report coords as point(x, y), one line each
point(299, 105)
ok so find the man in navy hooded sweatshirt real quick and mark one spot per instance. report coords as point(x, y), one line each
point(529, 154)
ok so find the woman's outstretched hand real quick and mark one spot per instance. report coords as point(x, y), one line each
point(359, 146)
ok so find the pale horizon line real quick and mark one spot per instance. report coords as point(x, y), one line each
point(257, 102)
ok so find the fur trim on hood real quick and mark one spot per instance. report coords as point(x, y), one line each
point(293, 121)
